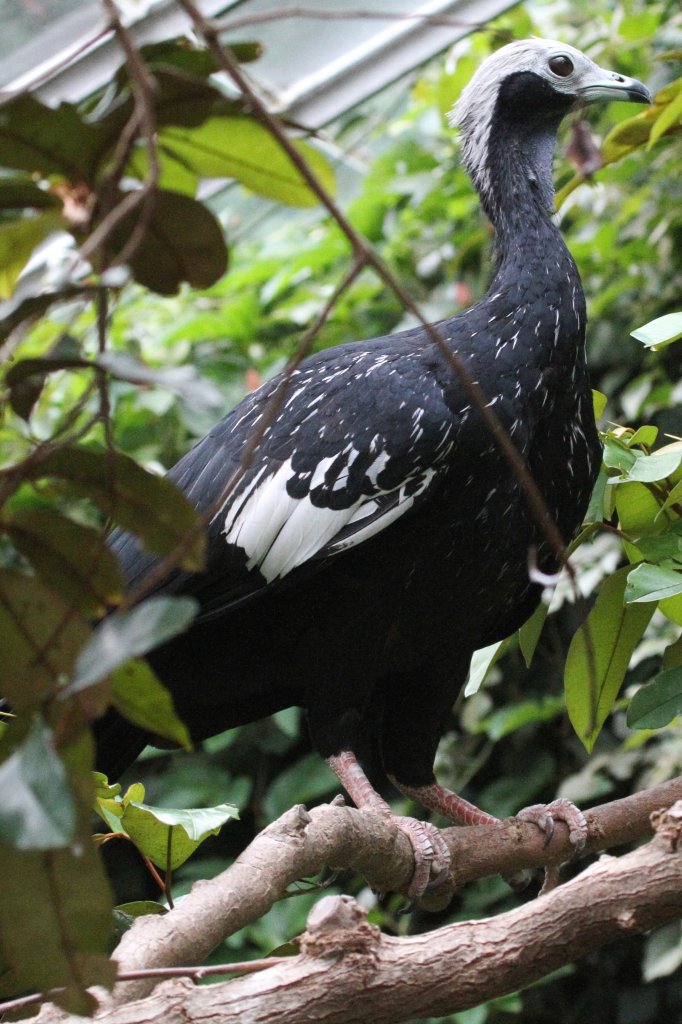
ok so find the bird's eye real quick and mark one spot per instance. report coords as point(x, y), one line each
point(561, 65)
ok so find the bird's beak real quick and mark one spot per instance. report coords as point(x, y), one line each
point(605, 86)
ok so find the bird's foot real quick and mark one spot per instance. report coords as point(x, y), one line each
point(545, 816)
point(431, 856)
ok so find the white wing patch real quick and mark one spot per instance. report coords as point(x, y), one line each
point(279, 533)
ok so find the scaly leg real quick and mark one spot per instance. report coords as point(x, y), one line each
point(443, 801)
point(431, 854)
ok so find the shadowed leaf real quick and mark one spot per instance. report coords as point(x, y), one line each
point(148, 505)
point(37, 810)
point(41, 636)
point(141, 698)
point(128, 635)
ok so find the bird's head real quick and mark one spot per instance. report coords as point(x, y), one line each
point(524, 89)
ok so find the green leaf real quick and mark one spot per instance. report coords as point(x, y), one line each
point(670, 117)
point(663, 546)
point(241, 148)
point(628, 135)
point(530, 631)
point(55, 922)
point(638, 510)
point(141, 698)
point(617, 455)
point(599, 656)
point(673, 497)
point(183, 242)
point(41, 636)
point(156, 831)
point(657, 703)
point(129, 634)
point(150, 506)
point(37, 810)
point(645, 436)
point(481, 663)
point(652, 583)
point(38, 138)
point(18, 239)
point(74, 560)
point(26, 378)
point(599, 401)
point(650, 468)
point(662, 331)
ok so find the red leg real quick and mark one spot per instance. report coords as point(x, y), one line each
point(443, 801)
point(431, 855)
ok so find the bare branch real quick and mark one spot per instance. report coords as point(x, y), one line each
point(348, 973)
point(301, 844)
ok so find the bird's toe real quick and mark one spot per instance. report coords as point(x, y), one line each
point(545, 816)
point(431, 856)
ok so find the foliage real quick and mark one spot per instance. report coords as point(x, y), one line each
point(99, 396)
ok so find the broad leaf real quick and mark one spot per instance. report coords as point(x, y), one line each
point(599, 656)
point(638, 510)
point(241, 148)
point(55, 921)
point(652, 583)
point(42, 140)
point(141, 698)
point(129, 634)
point(662, 331)
point(158, 831)
point(72, 559)
point(168, 837)
point(147, 505)
point(657, 703)
point(41, 636)
point(37, 810)
point(182, 242)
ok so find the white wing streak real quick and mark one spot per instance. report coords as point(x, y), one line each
point(279, 532)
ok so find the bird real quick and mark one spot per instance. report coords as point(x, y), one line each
point(366, 533)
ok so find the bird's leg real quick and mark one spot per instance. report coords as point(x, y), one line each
point(454, 807)
point(431, 854)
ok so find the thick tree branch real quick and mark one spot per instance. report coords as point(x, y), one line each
point(348, 973)
point(302, 844)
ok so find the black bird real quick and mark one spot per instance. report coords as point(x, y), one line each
point(377, 536)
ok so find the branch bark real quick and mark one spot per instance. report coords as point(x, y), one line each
point(348, 973)
point(301, 844)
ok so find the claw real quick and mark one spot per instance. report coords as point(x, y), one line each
point(545, 815)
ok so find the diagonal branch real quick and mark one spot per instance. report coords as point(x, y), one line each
point(348, 973)
point(301, 844)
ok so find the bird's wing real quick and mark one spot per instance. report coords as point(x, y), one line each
point(354, 442)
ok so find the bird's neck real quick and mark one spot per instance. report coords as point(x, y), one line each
point(534, 270)
point(516, 186)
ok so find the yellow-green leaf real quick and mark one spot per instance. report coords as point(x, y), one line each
point(241, 148)
point(141, 698)
point(599, 656)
